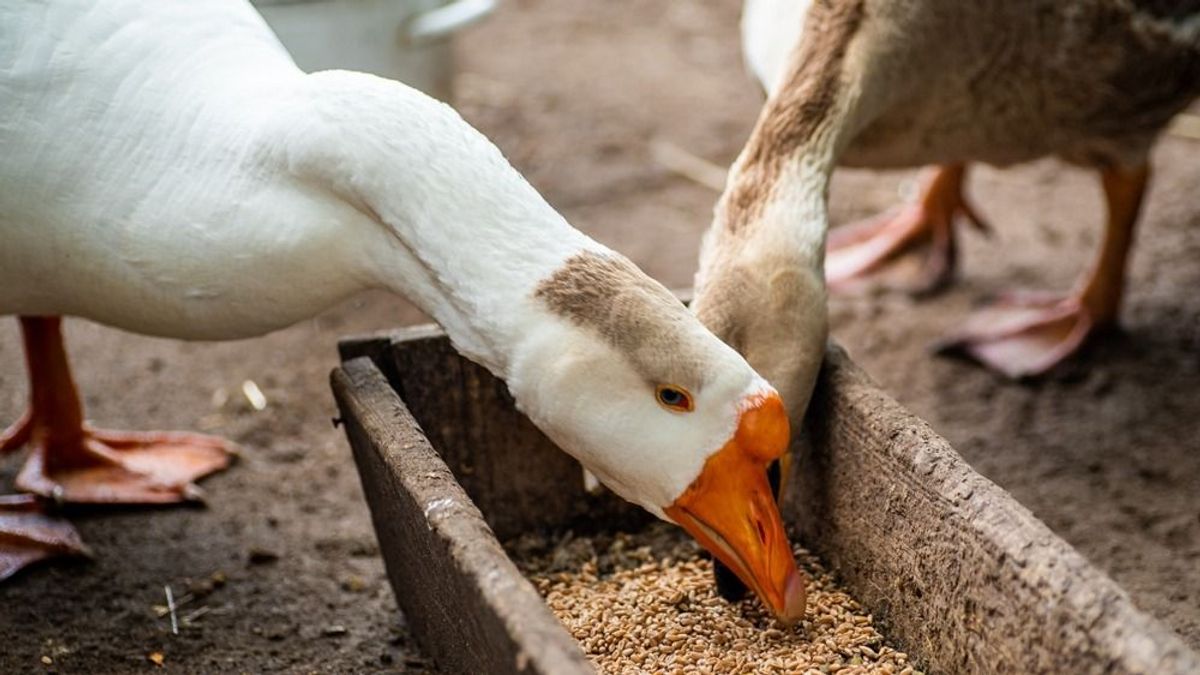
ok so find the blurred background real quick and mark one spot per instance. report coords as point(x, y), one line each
point(595, 102)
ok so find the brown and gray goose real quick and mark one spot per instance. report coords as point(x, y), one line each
point(900, 83)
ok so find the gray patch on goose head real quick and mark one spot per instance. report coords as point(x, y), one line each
point(638, 316)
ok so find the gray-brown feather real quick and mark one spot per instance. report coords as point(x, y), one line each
point(1092, 81)
point(641, 319)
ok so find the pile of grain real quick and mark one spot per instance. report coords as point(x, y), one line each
point(647, 603)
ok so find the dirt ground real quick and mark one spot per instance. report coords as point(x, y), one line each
point(1105, 450)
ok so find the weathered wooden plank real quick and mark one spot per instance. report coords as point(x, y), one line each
point(962, 575)
point(371, 346)
point(469, 606)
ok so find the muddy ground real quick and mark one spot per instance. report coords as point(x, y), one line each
point(1105, 450)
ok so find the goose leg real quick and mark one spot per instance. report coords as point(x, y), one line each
point(72, 462)
point(27, 535)
point(1027, 334)
point(857, 252)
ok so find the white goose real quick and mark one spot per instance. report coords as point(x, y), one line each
point(167, 169)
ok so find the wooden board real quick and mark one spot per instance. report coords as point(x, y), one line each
point(468, 606)
point(961, 576)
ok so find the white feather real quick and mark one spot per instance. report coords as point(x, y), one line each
point(770, 32)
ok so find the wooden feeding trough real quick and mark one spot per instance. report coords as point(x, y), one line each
point(958, 574)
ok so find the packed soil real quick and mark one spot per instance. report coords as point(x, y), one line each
point(280, 571)
point(645, 602)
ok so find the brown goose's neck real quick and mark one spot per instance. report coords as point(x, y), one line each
point(782, 174)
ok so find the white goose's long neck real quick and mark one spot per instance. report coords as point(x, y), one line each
point(467, 238)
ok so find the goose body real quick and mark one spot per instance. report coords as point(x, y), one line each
point(167, 169)
point(1089, 81)
point(226, 189)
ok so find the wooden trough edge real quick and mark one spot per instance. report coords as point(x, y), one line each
point(469, 606)
point(958, 572)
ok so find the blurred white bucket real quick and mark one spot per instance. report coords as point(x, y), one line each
point(406, 40)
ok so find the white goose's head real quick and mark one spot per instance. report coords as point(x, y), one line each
point(620, 375)
point(603, 359)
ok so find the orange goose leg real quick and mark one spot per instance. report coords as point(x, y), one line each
point(69, 461)
point(1027, 334)
point(855, 253)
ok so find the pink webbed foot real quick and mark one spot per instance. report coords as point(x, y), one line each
point(911, 250)
point(27, 535)
point(17, 435)
point(117, 467)
point(1026, 335)
point(1023, 335)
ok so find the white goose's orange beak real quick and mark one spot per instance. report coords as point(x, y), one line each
point(730, 510)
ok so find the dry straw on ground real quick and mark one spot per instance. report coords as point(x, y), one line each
point(646, 603)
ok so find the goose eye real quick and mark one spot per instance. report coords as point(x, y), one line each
point(674, 398)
